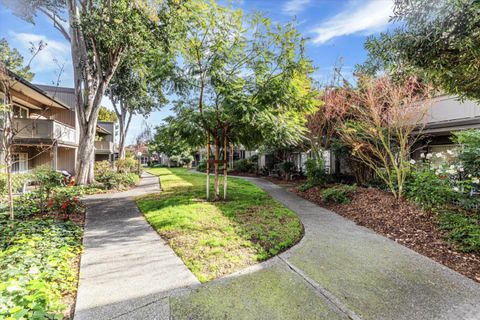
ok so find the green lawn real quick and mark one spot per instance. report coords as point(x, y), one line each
point(218, 238)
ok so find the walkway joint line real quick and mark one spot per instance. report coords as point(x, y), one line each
point(323, 292)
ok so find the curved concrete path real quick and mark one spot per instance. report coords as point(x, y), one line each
point(338, 271)
point(125, 265)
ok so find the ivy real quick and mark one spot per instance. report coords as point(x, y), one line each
point(36, 269)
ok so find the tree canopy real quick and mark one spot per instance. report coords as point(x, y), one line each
point(13, 60)
point(243, 75)
point(437, 40)
point(105, 114)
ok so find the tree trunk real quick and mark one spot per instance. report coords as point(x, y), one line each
point(208, 166)
point(86, 155)
point(8, 160)
point(225, 168)
point(123, 134)
point(217, 180)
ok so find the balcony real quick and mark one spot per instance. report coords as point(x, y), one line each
point(104, 147)
point(42, 130)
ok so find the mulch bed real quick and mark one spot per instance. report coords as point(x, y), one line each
point(404, 223)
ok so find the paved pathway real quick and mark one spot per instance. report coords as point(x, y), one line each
point(338, 271)
point(125, 264)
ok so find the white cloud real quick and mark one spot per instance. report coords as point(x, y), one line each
point(45, 60)
point(294, 6)
point(364, 17)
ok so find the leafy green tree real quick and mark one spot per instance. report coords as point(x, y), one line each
point(105, 114)
point(169, 142)
point(140, 85)
point(101, 34)
point(244, 72)
point(437, 40)
point(13, 60)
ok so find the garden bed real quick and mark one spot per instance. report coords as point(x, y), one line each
point(404, 223)
point(218, 238)
point(39, 263)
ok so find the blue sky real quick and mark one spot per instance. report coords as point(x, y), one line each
point(336, 30)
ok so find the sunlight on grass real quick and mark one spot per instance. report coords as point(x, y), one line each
point(218, 238)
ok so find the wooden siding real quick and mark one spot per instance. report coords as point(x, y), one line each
point(66, 159)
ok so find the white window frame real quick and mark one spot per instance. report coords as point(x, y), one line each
point(22, 162)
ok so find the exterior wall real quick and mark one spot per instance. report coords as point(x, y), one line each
point(66, 159)
point(110, 127)
point(37, 156)
point(449, 108)
point(61, 115)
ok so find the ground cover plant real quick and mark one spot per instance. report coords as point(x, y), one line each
point(39, 249)
point(218, 238)
point(38, 278)
point(338, 194)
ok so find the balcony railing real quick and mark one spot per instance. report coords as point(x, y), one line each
point(44, 129)
point(104, 146)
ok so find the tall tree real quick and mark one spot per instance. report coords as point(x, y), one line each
point(139, 87)
point(437, 40)
point(167, 140)
point(101, 33)
point(245, 72)
point(105, 114)
point(13, 60)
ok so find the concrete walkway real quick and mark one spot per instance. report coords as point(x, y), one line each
point(338, 271)
point(125, 266)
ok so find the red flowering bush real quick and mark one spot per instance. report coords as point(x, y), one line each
point(64, 203)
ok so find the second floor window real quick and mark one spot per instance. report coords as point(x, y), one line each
point(20, 112)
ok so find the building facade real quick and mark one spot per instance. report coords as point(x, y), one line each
point(45, 127)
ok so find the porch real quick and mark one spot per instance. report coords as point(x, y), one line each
point(28, 157)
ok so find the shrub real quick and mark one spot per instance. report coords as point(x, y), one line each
point(339, 194)
point(315, 171)
point(129, 164)
point(287, 167)
point(305, 186)
point(202, 166)
point(118, 180)
point(463, 230)
point(47, 178)
point(102, 166)
point(18, 180)
point(36, 267)
point(469, 150)
point(65, 202)
point(244, 165)
point(427, 189)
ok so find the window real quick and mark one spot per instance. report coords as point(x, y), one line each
point(20, 112)
point(19, 162)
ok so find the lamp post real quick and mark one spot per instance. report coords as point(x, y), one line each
point(139, 155)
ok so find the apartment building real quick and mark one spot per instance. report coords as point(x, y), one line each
point(446, 115)
point(43, 126)
point(46, 127)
